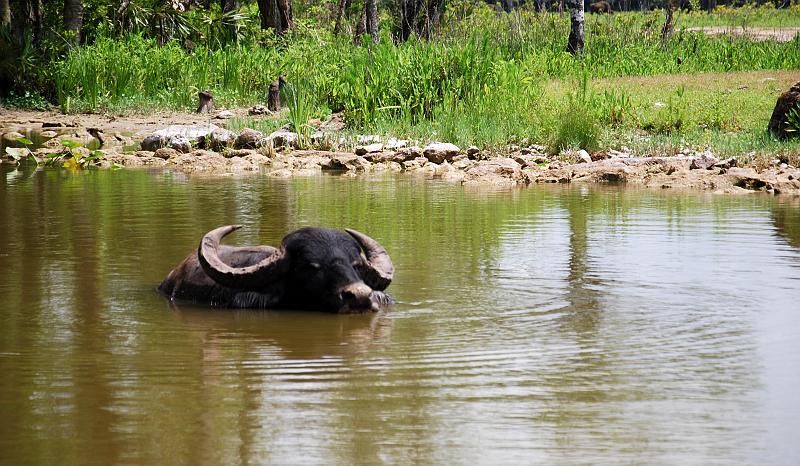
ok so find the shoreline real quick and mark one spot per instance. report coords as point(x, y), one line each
point(469, 167)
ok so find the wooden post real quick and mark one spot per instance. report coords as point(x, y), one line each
point(206, 102)
point(274, 99)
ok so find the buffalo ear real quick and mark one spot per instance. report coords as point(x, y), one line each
point(377, 270)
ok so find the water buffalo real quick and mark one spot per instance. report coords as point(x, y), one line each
point(600, 7)
point(315, 269)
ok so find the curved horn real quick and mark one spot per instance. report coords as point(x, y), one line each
point(378, 271)
point(251, 277)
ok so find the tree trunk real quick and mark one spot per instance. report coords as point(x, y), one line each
point(668, 27)
point(337, 26)
point(431, 20)
point(227, 7)
point(73, 19)
point(408, 15)
point(285, 10)
point(5, 13)
point(575, 41)
point(361, 28)
point(371, 8)
point(274, 98)
point(275, 14)
point(206, 102)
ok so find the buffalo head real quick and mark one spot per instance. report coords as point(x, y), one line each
point(314, 268)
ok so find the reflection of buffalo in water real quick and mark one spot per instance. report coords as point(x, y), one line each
point(600, 7)
point(315, 268)
point(297, 335)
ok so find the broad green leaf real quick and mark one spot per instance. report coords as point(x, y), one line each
point(25, 141)
point(16, 153)
point(70, 144)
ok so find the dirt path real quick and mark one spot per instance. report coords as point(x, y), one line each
point(781, 34)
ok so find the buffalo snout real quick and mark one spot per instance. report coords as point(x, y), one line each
point(357, 297)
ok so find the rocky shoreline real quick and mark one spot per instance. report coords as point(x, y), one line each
point(681, 172)
point(210, 150)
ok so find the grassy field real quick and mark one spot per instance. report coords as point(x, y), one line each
point(488, 79)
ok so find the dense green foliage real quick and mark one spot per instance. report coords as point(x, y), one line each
point(481, 80)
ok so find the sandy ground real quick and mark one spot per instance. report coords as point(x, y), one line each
point(782, 34)
point(136, 126)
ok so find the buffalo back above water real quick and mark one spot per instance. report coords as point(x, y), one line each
point(314, 268)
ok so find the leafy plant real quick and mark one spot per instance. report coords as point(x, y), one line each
point(300, 111)
point(22, 154)
point(577, 125)
point(793, 120)
point(72, 158)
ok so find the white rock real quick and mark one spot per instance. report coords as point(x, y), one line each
point(438, 152)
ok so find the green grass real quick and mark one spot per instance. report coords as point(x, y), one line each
point(488, 79)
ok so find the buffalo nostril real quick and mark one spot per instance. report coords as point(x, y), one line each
point(356, 295)
point(348, 296)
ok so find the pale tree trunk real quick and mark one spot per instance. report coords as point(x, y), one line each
point(73, 18)
point(5, 13)
point(575, 41)
point(371, 8)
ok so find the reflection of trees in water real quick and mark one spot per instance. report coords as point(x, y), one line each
point(785, 212)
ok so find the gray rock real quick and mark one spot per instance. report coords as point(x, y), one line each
point(180, 143)
point(584, 157)
point(167, 137)
point(166, 153)
point(283, 138)
point(407, 153)
point(438, 152)
point(369, 149)
point(368, 138)
point(473, 151)
point(394, 144)
point(224, 115)
point(500, 171)
point(219, 139)
point(152, 143)
point(703, 161)
point(10, 138)
point(258, 110)
point(727, 163)
point(248, 139)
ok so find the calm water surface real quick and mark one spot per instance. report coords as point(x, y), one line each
point(551, 325)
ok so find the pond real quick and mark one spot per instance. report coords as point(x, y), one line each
point(553, 325)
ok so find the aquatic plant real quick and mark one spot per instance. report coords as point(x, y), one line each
point(22, 154)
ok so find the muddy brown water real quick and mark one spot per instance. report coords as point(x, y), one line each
point(548, 325)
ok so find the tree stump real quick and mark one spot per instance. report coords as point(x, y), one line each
point(274, 99)
point(787, 101)
point(206, 102)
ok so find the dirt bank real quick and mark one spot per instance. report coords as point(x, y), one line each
point(470, 167)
